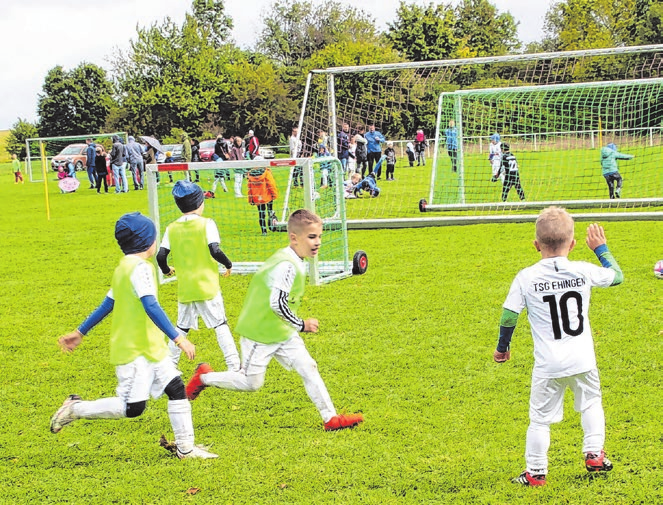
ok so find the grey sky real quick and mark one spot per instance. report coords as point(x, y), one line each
point(37, 35)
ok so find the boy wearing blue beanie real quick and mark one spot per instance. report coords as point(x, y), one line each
point(193, 241)
point(137, 347)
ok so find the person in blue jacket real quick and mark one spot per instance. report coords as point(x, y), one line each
point(610, 169)
point(374, 140)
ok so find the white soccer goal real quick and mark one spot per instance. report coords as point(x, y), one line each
point(556, 134)
point(248, 237)
point(44, 153)
point(403, 97)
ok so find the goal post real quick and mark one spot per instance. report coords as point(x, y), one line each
point(250, 235)
point(38, 165)
point(402, 98)
point(558, 135)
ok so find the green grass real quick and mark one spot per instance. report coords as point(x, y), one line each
point(409, 344)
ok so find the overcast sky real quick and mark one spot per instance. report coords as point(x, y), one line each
point(36, 35)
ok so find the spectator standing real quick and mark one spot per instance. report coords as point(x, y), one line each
point(101, 169)
point(90, 155)
point(252, 146)
point(451, 140)
point(136, 163)
point(374, 141)
point(420, 145)
point(361, 153)
point(295, 151)
point(237, 153)
point(117, 165)
point(343, 148)
point(390, 154)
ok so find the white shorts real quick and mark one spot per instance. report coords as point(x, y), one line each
point(546, 404)
point(211, 311)
point(496, 165)
point(140, 379)
point(256, 356)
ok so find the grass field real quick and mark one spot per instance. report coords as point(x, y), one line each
point(409, 344)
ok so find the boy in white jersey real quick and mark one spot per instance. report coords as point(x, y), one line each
point(495, 157)
point(137, 346)
point(194, 241)
point(270, 327)
point(556, 292)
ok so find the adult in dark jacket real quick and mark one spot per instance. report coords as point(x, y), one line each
point(100, 168)
point(117, 165)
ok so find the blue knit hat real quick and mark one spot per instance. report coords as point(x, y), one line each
point(188, 196)
point(612, 146)
point(495, 137)
point(135, 233)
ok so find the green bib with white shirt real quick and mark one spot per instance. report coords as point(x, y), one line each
point(133, 334)
point(197, 271)
point(257, 321)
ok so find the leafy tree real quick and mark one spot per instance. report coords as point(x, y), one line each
point(591, 24)
point(172, 77)
point(484, 31)
point(423, 33)
point(19, 132)
point(74, 102)
point(648, 26)
point(210, 14)
point(295, 29)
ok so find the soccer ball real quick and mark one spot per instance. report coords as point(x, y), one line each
point(658, 269)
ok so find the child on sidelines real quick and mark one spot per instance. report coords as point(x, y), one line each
point(410, 153)
point(495, 158)
point(609, 157)
point(270, 328)
point(137, 346)
point(390, 159)
point(511, 174)
point(262, 192)
point(16, 167)
point(369, 185)
point(556, 292)
point(194, 241)
point(420, 145)
point(350, 185)
point(352, 156)
point(100, 169)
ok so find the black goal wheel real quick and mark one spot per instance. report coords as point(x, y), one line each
point(422, 205)
point(359, 263)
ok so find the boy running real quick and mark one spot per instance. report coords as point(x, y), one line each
point(16, 167)
point(194, 242)
point(137, 346)
point(270, 327)
point(556, 292)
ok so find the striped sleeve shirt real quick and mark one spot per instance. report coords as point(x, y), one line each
point(282, 279)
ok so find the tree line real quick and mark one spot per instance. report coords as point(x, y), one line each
point(192, 76)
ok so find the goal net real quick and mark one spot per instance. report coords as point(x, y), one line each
point(46, 154)
point(249, 235)
point(402, 98)
point(550, 145)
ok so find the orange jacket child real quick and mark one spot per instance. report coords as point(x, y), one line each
point(262, 186)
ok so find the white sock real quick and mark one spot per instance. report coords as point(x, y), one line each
point(179, 412)
point(593, 425)
point(228, 347)
point(536, 448)
point(104, 408)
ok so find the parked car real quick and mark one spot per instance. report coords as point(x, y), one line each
point(267, 153)
point(175, 150)
point(77, 152)
point(206, 150)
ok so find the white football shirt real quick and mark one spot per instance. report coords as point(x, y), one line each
point(556, 292)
